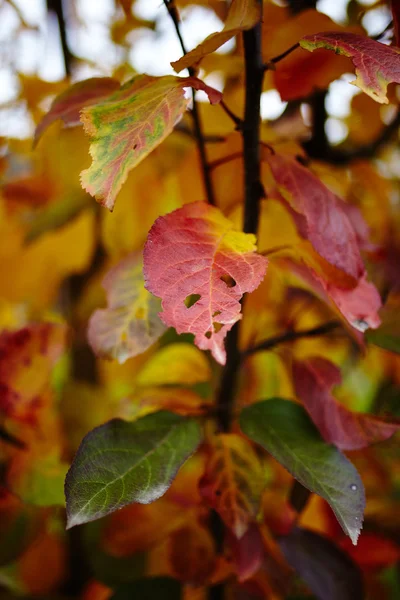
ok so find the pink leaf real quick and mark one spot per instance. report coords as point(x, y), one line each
point(201, 267)
point(376, 64)
point(313, 381)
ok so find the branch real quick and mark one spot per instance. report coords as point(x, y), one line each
point(200, 141)
point(290, 336)
point(253, 192)
point(56, 6)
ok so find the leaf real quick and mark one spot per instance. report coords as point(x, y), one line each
point(376, 64)
point(284, 429)
point(149, 588)
point(313, 380)
point(131, 323)
point(243, 15)
point(181, 364)
point(27, 357)
point(247, 552)
point(191, 553)
point(233, 481)
point(201, 268)
point(67, 105)
point(127, 126)
point(373, 551)
point(327, 570)
point(120, 462)
point(319, 214)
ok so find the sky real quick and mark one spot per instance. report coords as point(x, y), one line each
point(38, 52)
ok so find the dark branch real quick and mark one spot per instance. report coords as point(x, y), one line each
point(271, 63)
point(291, 336)
point(56, 6)
point(200, 141)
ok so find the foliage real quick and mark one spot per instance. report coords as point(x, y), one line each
point(199, 387)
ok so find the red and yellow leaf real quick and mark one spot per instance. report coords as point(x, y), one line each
point(233, 481)
point(128, 125)
point(243, 14)
point(130, 324)
point(201, 267)
point(376, 64)
point(313, 381)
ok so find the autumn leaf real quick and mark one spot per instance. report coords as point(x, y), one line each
point(200, 268)
point(243, 15)
point(233, 481)
point(68, 104)
point(318, 213)
point(284, 429)
point(191, 553)
point(313, 381)
point(120, 462)
point(387, 336)
point(376, 64)
point(128, 125)
point(175, 364)
point(327, 570)
point(27, 357)
point(130, 324)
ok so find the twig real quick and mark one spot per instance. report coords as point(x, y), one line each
point(225, 159)
point(271, 63)
point(200, 141)
point(290, 336)
point(237, 120)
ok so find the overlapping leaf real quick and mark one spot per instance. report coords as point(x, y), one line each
point(26, 359)
point(313, 380)
point(284, 429)
point(243, 14)
point(233, 481)
point(68, 104)
point(336, 232)
point(128, 125)
point(201, 268)
point(376, 64)
point(179, 364)
point(130, 323)
point(120, 462)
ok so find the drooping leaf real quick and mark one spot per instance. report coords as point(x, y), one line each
point(233, 481)
point(149, 588)
point(130, 324)
point(179, 364)
point(313, 380)
point(201, 267)
point(319, 214)
point(376, 64)
point(128, 125)
point(191, 553)
point(247, 552)
point(327, 570)
point(26, 359)
point(120, 462)
point(69, 103)
point(284, 429)
point(243, 15)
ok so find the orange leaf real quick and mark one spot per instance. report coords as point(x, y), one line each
point(243, 14)
point(233, 481)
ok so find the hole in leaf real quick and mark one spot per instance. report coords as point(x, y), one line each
point(208, 334)
point(192, 299)
point(230, 282)
point(217, 312)
point(217, 326)
point(218, 492)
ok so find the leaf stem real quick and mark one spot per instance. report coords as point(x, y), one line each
point(200, 140)
point(56, 6)
point(270, 65)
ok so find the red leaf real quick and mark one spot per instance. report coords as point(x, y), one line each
point(313, 381)
point(68, 105)
point(319, 214)
point(372, 551)
point(248, 552)
point(201, 267)
point(376, 64)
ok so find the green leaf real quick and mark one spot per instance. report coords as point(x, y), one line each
point(149, 589)
point(285, 430)
point(120, 463)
